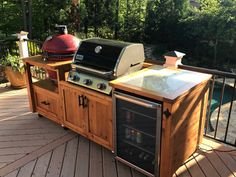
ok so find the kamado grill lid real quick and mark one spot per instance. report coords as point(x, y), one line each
point(61, 46)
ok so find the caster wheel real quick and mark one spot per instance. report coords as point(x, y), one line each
point(65, 128)
point(39, 115)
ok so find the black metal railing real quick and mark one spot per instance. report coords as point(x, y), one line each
point(9, 46)
point(221, 111)
point(12, 47)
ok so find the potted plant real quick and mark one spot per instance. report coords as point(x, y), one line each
point(14, 69)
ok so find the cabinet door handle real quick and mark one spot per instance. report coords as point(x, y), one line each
point(85, 101)
point(79, 98)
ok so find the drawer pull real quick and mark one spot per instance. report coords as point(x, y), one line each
point(45, 103)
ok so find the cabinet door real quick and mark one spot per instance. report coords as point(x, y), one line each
point(100, 120)
point(75, 117)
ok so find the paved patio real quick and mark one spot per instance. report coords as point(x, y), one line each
point(36, 147)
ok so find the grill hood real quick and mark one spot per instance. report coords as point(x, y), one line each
point(108, 57)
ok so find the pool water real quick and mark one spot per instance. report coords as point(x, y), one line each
point(227, 96)
point(215, 102)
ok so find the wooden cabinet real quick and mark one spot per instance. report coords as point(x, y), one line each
point(43, 92)
point(87, 112)
point(75, 116)
point(183, 96)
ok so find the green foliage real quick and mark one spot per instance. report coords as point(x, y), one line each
point(46, 14)
point(207, 34)
point(11, 18)
point(15, 62)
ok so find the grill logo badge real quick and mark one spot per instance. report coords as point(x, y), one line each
point(98, 49)
point(79, 57)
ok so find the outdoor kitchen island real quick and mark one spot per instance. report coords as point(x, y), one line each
point(159, 117)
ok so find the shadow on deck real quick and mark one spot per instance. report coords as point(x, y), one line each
point(37, 147)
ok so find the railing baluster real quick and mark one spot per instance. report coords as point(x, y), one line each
point(219, 109)
point(230, 110)
point(209, 105)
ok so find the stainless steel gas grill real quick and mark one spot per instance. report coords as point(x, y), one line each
point(97, 61)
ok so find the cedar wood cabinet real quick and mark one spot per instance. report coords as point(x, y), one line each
point(87, 112)
point(43, 94)
point(58, 101)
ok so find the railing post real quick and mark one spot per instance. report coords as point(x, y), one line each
point(23, 47)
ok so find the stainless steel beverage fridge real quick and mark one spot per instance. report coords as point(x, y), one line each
point(137, 132)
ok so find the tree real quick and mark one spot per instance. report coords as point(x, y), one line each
point(11, 18)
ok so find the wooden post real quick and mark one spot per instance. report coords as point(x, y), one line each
point(23, 47)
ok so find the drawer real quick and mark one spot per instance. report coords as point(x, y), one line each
point(46, 103)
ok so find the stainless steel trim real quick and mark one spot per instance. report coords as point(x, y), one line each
point(138, 102)
point(158, 143)
point(118, 61)
point(114, 123)
point(135, 167)
point(94, 70)
point(118, 95)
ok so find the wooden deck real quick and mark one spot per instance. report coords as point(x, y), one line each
point(36, 147)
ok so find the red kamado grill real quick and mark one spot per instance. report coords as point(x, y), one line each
point(60, 47)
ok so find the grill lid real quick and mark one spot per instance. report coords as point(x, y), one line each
point(106, 56)
point(60, 46)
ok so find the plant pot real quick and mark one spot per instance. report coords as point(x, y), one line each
point(3, 78)
point(16, 78)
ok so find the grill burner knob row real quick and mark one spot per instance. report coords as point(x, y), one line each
point(87, 82)
point(101, 86)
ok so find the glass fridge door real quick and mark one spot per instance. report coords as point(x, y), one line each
point(138, 127)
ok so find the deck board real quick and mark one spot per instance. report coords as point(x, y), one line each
point(82, 163)
point(27, 170)
point(95, 169)
point(55, 164)
point(37, 147)
point(228, 161)
point(68, 167)
point(13, 174)
point(123, 170)
point(41, 165)
point(109, 164)
point(183, 171)
point(193, 168)
point(219, 166)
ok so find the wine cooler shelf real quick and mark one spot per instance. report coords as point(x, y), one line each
point(140, 158)
point(130, 113)
point(135, 133)
point(150, 151)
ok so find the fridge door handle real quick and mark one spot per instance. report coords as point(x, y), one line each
point(138, 102)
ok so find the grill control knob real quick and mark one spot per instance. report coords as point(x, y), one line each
point(70, 76)
point(87, 82)
point(75, 78)
point(101, 86)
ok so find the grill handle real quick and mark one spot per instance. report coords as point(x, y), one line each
point(134, 101)
point(95, 71)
